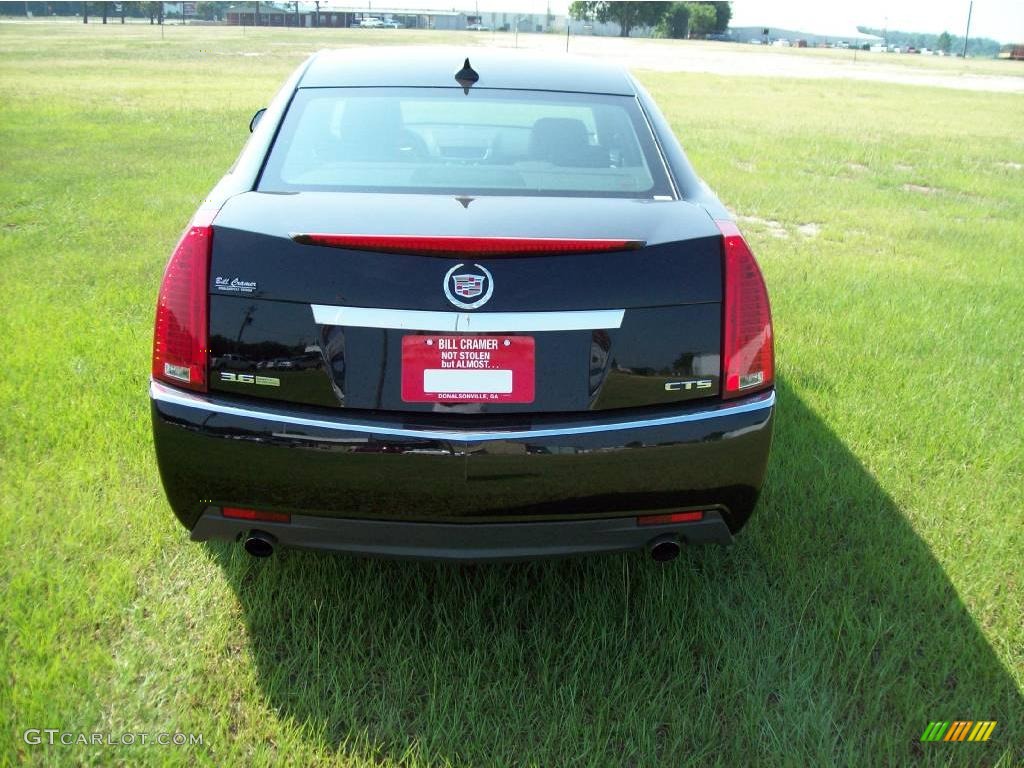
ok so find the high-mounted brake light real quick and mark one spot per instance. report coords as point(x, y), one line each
point(180, 335)
point(748, 357)
point(444, 245)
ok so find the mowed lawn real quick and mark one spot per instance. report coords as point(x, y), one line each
point(880, 585)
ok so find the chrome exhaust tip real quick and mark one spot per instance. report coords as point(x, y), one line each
point(664, 548)
point(259, 544)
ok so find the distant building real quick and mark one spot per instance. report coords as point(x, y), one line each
point(347, 15)
point(509, 21)
point(1011, 51)
point(813, 36)
point(268, 15)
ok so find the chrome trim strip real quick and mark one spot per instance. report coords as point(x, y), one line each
point(167, 394)
point(480, 322)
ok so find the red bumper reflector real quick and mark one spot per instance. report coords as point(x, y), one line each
point(241, 513)
point(675, 517)
point(443, 245)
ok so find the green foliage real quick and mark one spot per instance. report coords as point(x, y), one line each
point(207, 11)
point(723, 15)
point(675, 23)
point(684, 19)
point(944, 42)
point(154, 11)
point(581, 10)
point(703, 18)
point(627, 14)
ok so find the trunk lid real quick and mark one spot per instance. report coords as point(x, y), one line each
point(328, 325)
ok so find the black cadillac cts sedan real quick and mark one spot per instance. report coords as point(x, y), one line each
point(462, 309)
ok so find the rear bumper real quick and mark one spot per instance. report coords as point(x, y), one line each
point(466, 542)
point(400, 485)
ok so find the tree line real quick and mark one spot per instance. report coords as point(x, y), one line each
point(976, 46)
point(679, 20)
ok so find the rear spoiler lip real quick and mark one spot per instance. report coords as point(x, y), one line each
point(458, 246)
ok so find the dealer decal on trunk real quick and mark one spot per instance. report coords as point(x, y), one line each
point(234, 285)
point(467, 369)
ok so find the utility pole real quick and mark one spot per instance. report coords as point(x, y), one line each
point(967, 34)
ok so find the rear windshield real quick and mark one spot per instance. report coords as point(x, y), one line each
point(441, 140)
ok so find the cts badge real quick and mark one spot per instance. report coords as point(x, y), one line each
point(686, 386)
point(468, 284)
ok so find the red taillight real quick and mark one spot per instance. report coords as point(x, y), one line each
point(748, 358)
point(243, 513)
point(180, 335)
point(443, 245)
point(674, 517)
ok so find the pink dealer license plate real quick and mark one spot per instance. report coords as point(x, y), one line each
point(467, 369)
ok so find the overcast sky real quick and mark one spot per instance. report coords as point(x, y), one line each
point(999, 19)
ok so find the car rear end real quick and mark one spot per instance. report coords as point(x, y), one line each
point(487, 323)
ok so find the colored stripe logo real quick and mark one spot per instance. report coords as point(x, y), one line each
point(959, 730)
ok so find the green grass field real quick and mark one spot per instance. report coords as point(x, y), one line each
point(879, 586)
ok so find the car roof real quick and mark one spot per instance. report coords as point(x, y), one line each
point(423, 67)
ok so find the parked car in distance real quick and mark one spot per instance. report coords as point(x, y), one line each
point(371, 22)
point(467, 310)
point(478, 28)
